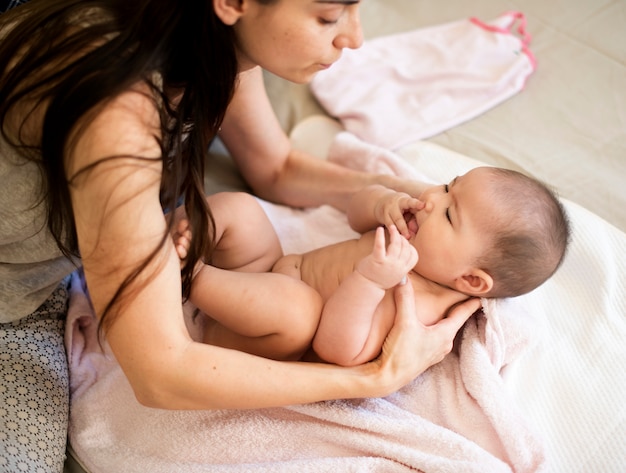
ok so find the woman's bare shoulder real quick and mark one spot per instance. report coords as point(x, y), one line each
point(127, 125)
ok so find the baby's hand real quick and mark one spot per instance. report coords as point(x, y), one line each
point(397, 208)
point(386, 267)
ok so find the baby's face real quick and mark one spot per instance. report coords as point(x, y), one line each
point(452, 229)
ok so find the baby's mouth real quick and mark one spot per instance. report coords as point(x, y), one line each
point(411, 223)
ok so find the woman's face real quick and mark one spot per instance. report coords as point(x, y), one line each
point(295, 39)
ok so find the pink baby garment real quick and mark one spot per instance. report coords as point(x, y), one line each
point(409, 86)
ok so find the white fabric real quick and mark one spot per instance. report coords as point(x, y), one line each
point(408, 86)
point(569, 383)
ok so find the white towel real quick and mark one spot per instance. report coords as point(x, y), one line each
point(457, 416)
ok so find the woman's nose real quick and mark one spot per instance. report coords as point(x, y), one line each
point(351, 35)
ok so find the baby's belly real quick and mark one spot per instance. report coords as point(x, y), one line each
point(316, 269)
point(289, 265)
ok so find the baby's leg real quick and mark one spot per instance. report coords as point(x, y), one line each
point(265, 314)
point(280, 326)
point(245, 238)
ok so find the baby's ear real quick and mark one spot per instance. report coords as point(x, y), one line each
point(476, 283)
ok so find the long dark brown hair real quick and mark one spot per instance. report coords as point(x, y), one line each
point(48, 56)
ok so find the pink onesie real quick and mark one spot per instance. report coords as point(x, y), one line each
point(409, 86)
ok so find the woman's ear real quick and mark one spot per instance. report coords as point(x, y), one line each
point(476, 283)
point(229, 11)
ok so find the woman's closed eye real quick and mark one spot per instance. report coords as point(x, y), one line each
point(329, 14)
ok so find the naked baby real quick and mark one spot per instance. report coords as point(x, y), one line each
point(489, 233)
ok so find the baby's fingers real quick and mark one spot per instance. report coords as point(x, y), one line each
point(408, 207)
point(379, 251)
point(400, 249)
point(399, 221)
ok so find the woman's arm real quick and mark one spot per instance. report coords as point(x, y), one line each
point(275, 170)
point(119, 222)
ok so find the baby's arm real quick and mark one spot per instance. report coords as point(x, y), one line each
point(348, 333)
point(378, 205)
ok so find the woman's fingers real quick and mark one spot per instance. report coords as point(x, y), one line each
point(410, 347)
point(459, 315)
point(398, 361)
point(446, 329)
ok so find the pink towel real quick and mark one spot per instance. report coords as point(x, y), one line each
point(457, 416)
point(409, 86)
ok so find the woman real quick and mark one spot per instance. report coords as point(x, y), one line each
point(107, 109)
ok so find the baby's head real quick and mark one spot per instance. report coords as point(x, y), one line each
point(529, 234)
point(492, 232)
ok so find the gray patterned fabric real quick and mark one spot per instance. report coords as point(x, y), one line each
point(34, 389)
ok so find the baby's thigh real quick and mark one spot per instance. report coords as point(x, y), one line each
point(34, 392)
point(245, 237)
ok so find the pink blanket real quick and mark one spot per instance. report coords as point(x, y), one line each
point(457, 416)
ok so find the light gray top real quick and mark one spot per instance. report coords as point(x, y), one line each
point(31, 264)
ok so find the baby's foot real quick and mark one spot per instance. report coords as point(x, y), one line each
point(182, 238)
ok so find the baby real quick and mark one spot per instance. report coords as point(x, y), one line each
point(489, 233)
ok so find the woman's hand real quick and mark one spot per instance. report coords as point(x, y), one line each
point(411, 347)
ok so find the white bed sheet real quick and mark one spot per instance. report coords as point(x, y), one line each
point(572, 383)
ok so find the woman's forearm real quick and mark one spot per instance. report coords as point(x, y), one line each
point(209, 377)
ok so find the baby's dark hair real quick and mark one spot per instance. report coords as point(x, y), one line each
point(530, 235)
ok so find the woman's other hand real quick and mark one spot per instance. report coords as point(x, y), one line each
point(411, 347)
